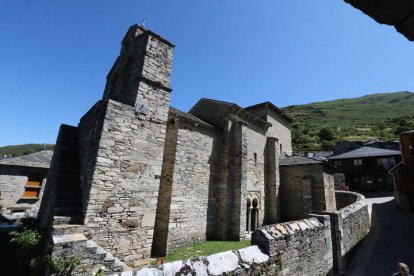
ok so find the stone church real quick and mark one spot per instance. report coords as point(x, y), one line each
point(142, 178)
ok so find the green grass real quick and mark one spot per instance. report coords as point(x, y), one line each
point(205, 249)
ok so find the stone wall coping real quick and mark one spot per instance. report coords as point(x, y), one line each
point(282, 230)
point(216, 264)
point(352, 208)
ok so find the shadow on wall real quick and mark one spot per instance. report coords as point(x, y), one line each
point(213, 209)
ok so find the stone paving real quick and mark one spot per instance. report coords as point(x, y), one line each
point(391, 239)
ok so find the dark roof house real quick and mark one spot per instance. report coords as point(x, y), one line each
point(366, 168)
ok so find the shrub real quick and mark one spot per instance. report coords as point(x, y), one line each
point(26, 239)
point(62, 266)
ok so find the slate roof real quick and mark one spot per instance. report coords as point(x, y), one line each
point(221, 103)
point(190, 117)
point(298, 160)
point(275, 109)
point(210, 105)
point(366, 152)
point(40, 159)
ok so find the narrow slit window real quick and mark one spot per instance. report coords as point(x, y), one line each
point(255, 158)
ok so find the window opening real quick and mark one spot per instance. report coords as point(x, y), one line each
point(357, 162)
point(32, 187)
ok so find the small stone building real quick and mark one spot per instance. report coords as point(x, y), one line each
point(22, 182)
point(307, 186)
point(142, 178)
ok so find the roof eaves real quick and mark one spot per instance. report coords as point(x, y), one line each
point(189, 118)
point(273, 107)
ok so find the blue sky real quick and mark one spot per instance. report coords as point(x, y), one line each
point(55, 55)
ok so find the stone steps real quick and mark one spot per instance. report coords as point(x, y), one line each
point(69, 238)
point(68, 203)
point(92, 255)
point(63, 229)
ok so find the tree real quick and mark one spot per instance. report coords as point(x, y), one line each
point(402, 124)
point(326, 134)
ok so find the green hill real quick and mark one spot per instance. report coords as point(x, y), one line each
point(18, 150)
point(358, 119)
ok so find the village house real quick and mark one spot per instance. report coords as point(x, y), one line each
point(22, 181)
point(366, 168)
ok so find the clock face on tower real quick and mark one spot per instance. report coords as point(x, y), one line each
point(141, 107)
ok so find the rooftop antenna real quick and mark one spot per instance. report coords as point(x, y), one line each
point(143, 22)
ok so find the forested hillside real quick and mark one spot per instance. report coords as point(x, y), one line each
point(320, 125)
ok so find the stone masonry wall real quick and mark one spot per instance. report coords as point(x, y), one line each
point(303, 191)
point(89, 129)
point(190, 189)
point(272, 182)
point(123, 196)
point(294, 248)
point(256, 143)
point(280, 130)
point(237, 182)
point(329, 187)
point(11, 189)
point(350, 225)
point(217, 211)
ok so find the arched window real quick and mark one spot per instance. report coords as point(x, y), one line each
point(249, 204)
point(252, 212)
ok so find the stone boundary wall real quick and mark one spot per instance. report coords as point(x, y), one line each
point(350, 225)
point(301, 247)
point(344, 199)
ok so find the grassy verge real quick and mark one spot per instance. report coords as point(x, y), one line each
point(205, 249)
